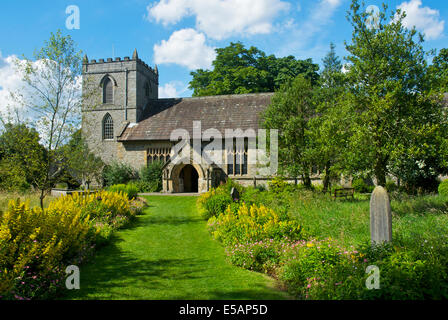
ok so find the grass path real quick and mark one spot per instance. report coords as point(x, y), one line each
point(168, 254)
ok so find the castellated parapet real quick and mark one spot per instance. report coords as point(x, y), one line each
point(134, 86)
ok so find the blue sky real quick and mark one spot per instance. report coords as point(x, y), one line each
point(180, 35)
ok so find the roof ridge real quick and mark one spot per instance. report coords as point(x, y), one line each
point(220, 96)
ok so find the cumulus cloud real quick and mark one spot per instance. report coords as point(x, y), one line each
point(220, 19)
point(173, 89)
point(425, 19)
point(10, 81)
point(187, 48)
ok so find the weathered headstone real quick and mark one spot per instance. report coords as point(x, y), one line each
point(380, 216)
point(235, 195)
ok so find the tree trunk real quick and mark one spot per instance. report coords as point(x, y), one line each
point(307, 181)
point(380, 173)
point(42, 197)
point(326, 181)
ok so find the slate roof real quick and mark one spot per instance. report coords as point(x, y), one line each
point(219, 112)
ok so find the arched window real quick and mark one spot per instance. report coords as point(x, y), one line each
point(108, 127)
point(108, 91)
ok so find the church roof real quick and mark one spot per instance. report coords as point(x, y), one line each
point(162, 116)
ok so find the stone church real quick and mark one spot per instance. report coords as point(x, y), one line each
point(125, 121)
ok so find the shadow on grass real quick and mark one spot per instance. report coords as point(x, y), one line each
point(111, 268)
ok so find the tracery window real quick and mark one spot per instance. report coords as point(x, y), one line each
point(108, 127)
point(159, 154)
point(237, 158)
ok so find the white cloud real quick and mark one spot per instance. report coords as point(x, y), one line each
point(173, 89)
point(187, 48)
point(220, 19)
point(10, 81)
point(424, 19)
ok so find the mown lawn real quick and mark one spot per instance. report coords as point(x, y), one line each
point(168, 254)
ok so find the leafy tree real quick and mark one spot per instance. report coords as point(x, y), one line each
point(118, 173)
point(439, 71)
point(52, 83)
point(238, 70)
point(328, 128)
point(290, 110)
point(393, 114)
point(81, 164)
point(21, 157)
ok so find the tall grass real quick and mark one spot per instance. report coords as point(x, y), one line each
point(31, 197)
point(348, 221)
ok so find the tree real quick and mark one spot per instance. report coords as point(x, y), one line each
point(392, 110)
point(21, 157)
point(439, 71)
point(328, 128)
point(53, 83)
point(290, 110)
point(81, 164)
point(238, 70)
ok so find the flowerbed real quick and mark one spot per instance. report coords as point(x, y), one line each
point(262, 239)
point(37, 245)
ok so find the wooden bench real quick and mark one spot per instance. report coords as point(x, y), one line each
point(344, 192)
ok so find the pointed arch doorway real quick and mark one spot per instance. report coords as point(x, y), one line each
point(188, 179)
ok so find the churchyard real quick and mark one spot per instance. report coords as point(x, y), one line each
point(356, 210)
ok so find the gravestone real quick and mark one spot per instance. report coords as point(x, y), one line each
point(235, 195)
point(380, 216)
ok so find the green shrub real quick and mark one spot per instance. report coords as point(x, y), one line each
point(243, 224)
point(118, 173)
point(150, 177)
point(131, 189)
point(277, 184)
point(260, 256)
point(216, 205)
point(361, 187)
point(443, 188)
point(391, 186)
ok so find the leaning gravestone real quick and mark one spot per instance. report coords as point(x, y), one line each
point(380, 216)
point(235, 195)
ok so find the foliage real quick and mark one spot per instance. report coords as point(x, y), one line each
point(320, 269)
point(150, 177)
point(53, 89)
point(361, 186)
point(36, 246)
point(443, 188)
point(82, 164)
point(277, 184)
point(397, 125)
point(216, 201)
point(237, 70)
point(252, 224)
point(131, 190)
point(328, 128)
point(20, 167)
point(118, 173)
point(289, 112)
point(439, 71)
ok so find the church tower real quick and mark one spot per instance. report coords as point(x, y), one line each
point(116, 93)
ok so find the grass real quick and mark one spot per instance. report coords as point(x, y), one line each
point(31, 197)
point(348, 221)
point(168, 254)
